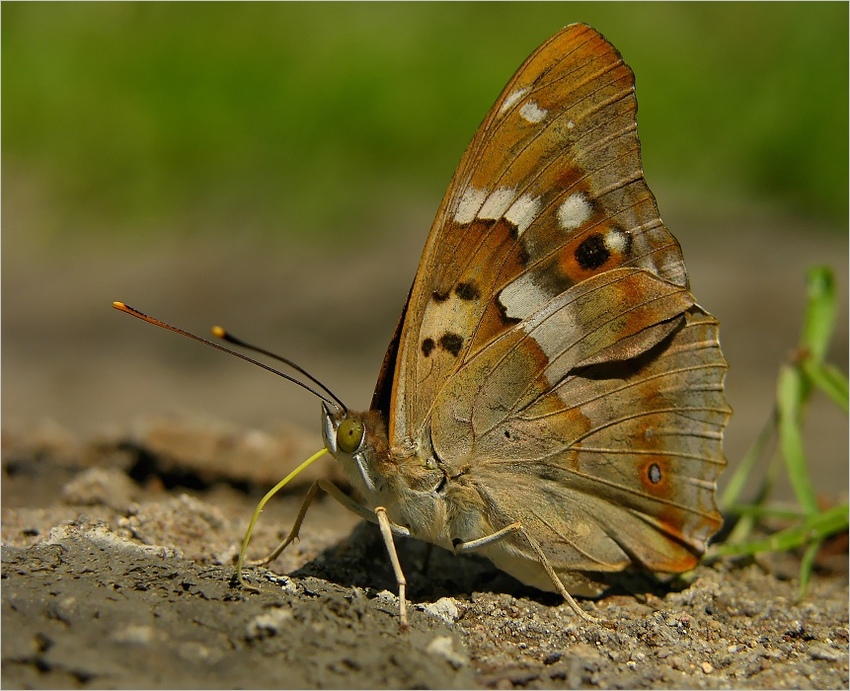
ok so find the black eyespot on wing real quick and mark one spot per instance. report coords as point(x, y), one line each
point(592, 252)
point(438, 296)
point(427, 346)
point(654, 474)
point(451, 343)
point(467, 291)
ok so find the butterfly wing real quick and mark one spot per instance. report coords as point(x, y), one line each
point(549, 192)
point(551, 353)
point(597, 424)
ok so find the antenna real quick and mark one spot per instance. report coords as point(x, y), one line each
point(225, 335)
point(324, 394)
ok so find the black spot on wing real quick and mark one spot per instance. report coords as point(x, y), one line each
point(428, 345)
point(451, 342)
point(467, 291)
point(592, 252)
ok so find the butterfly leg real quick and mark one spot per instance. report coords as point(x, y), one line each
point(472, 545)
point(379, 516)
point(334, 491)
point(386, 526)
point(541, 557)
point(296, 528)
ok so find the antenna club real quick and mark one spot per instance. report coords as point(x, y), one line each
point(117, 304)
point(219, 331)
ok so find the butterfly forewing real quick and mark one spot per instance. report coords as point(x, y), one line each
point(549, 193)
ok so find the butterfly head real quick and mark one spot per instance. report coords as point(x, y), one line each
point(408, 478)
point(357, 441)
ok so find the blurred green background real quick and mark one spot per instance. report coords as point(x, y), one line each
point(146, 120)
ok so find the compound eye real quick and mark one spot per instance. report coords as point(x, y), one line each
point(349, 435)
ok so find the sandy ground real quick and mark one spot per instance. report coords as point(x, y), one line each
point(122, 513)
point(125, 581)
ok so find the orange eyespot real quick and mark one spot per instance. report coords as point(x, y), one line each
point(349, 434)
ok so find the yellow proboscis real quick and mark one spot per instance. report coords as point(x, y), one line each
point(274, 490)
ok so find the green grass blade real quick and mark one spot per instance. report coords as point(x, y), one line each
point(816, 527)
point(791, 392)
point(745, 468)
point(770, 512)
point(819, 319)
point(828, 379)
point(807, 565)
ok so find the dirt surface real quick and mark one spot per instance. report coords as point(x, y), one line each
point(124, 580)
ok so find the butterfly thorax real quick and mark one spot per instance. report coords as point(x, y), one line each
point(431, 499)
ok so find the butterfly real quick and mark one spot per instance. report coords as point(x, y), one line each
point(552, 398)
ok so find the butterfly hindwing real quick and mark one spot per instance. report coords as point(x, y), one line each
point(606, 463)
point(627, 451)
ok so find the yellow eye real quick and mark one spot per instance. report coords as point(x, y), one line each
point(349, 435)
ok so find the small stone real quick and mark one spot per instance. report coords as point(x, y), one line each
point(445, 608)
point(822, 651)
point(443, 646)
point(679, 662)
point(707, 668)
point(65, 609)
point(198, 652)
point(269, 623)
point(286, 584)
point(134, 634)
point(553, 657)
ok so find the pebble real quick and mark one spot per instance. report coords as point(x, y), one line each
point(198, 652)
point(822, 651)
point(443, 646)
point(445, 608)
point(285, 583)
point(134, 634)
point(707, 668)
point(268, 623)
